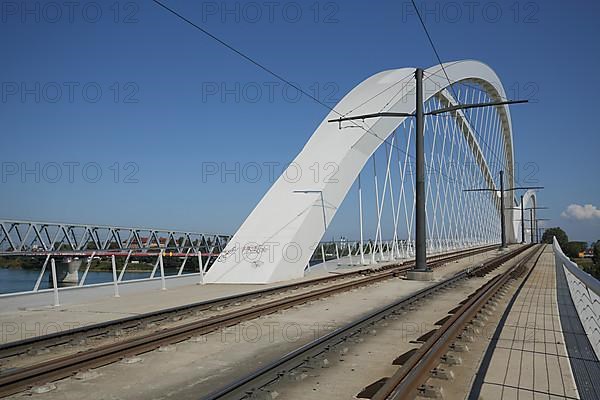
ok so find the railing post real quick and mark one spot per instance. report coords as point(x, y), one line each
point(162, 271)
point(39, 279)
point(183, 263)
point(114, 273)
point(349, 253)
point(54, 283)
point(201, 267)
point(87, 268)
point(122, 273)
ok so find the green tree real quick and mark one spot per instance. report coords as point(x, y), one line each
point(596, 251)
point(561, 236)
point(572, 249)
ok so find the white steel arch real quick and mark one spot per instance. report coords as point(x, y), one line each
point(277, 239)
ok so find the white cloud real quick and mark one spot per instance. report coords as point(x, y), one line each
point(578, 212)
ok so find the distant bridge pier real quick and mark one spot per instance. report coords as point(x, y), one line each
point(67, 271)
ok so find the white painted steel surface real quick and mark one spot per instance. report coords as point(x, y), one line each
point(279, 236)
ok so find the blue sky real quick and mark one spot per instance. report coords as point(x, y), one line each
point(129, 91)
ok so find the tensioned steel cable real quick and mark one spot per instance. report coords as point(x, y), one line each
point(277, 76)
point(446, 74)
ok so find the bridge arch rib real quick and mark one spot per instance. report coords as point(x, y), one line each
point(276, 240)
point(529, 202)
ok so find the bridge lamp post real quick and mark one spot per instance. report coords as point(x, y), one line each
point(502, 208)
point(419, 115)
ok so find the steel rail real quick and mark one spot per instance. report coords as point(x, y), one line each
point(18, 380)
point(407, 380)
point(64, 337)
point(248, 385)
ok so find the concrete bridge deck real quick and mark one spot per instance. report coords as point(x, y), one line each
point(30, 315)
point(538, 350)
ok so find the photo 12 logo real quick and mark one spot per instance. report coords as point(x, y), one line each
point(271, 12)
point(69, 92)
point(268, 92)
point(68, 172)
point(69, 12)
point(472, 11)
point(253, 172)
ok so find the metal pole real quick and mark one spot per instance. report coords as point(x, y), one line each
point(349, 253)
point(378, 231)
point(360, 214)
point(54, 283)
point(531, 223)
point(502, 222)
point(201, 267)
point(420, 221)
point(162, 271)
point(87, 268)
point(39, 279)
point(122, 274)
point(323, 256)
point(522, 222)
point(114, 272)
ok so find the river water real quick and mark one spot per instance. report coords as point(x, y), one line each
point(21, 280)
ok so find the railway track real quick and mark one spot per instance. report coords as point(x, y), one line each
point(142, 321)
point(409, 379)
point(20, 379)
point(257, 384)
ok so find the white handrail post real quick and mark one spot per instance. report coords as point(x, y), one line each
point(350, 253)
point(54, 283)
point(87, 268)
point(201, 266)
point(155, 266)
point(39, 279)
point(162, 271)
point(184, 261)
point(205, 268)
point(125, 266)
point(114, 272)
point(323, 256)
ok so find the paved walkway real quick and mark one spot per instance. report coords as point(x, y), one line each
point(530, 359)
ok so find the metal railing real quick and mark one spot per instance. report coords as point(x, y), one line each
point(163, 254)
point(382, 251)
point(585, 293)
point(83, 247)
